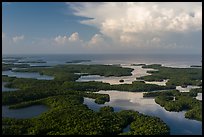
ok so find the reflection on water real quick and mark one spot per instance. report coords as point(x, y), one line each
point(199, 96)
point(27, 75)
point(4, 89)
point(187, 89)
point(27, 112)
point(162, 83)
point(135, 101)
point(126, 129)
point(136, 73)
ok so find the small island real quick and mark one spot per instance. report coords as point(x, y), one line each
point(196, 66)
point(34, 61)
point(121, 80)
point(78, 61)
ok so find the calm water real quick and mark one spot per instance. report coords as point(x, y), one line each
point(35, 75)
point(166, 59)
point(137, 72)
point(199, 96)
point(27, 112)
point(119, 100)
point(178, 124)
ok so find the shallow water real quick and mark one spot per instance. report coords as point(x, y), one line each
point(135, 101)
point(136, 73)
point(27, 75)
point(27, 112)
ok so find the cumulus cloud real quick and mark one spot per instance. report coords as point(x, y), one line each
point(135, 23)
point(18, 38)
point(137, 17)
point(61, 40)
point(74, 37)
point(97, 39)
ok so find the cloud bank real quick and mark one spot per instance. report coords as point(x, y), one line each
point(144, 25)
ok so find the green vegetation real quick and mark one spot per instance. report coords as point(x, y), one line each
point(106, 109)
point(5, 78)
point(121, 80)
point(139, 86)
point(176, 76)
point(68, 116)
point(102, 70)
point(66, 72)
point(183, 101)
point(34, 61)
point(10, 66)
point(137, 64)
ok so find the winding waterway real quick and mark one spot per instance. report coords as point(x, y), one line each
point(119, 100)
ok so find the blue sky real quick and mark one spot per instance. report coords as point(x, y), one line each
point(58, 27)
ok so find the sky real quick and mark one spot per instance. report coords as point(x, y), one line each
point(101, 27)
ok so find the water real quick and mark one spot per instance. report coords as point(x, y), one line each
point(28, 112)
point(165, 59)
point(177, 122)
point(187, 89)
point(199, 96)
point(34, 75)
point(120, 100)
point(136, 73)
point(126, 129)
point(161, 83)
point(4, 89)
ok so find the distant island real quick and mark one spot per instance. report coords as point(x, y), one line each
point(35, 61)
point(196, 66)
point(78, 61)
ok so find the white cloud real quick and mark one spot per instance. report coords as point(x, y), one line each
point(18, 38)
point(136, 17)
point(97, 39)
point(61, 40)
point(135, 23)
point(74, 37)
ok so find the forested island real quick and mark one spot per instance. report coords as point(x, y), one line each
point(67, 115)
point(173, 100)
